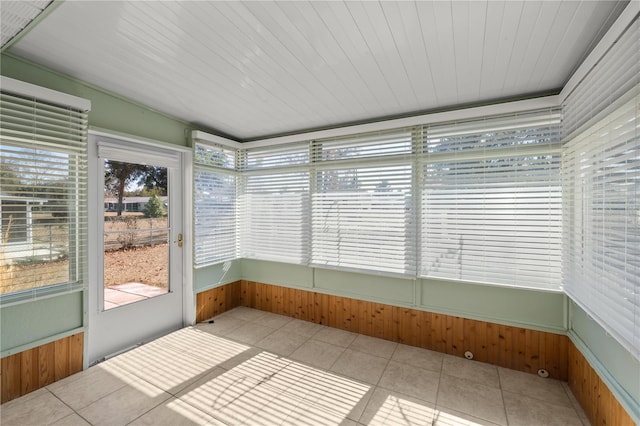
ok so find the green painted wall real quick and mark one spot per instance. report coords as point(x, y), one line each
point(40, 320)
point(541, 310)
point(604, 352)
point(216, 275)
point(108, 111)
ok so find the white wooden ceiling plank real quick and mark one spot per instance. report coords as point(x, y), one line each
point(258, 61)
point(346, 32)
point(373, 72)
point(512, 16)
point(563, 15)
point(388, 56)
point(288, 36)
point(577, 37)
point(427, 18)
point(520, 52)
point(447, 54)
point(250, 65)
point(539, 33)
point(339, 61)
point(492, 35)
point(469, 23)
point(263, 37)
point(318, 47)
point(405, 29)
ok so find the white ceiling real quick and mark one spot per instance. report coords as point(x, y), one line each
point(252, 69)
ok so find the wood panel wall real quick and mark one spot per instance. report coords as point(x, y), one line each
point(215, 301)
point(598, 402)
point(32, 369)
point(511, 347)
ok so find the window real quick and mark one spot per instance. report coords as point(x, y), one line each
point(491, 201)
point(478, 201)
point(274, 202)
point(362, 204)
point(601, 168)
point(43, 190)
point(215, 196)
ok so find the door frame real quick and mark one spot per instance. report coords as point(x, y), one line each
point(95, 184)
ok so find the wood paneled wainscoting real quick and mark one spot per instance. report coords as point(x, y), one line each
point(37, 367)
point(598, 402)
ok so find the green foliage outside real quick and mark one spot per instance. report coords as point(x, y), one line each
point(154, 208)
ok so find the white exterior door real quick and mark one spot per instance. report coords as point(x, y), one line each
point(137, 244)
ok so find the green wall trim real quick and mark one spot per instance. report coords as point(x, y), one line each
point(628, 402)
point(540, 310)
point(216, 275)
point(617, 364)
point(277, 273)
point(41, 320)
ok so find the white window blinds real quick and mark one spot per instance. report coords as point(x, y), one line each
point(601, 169)
point(274, 202)
point(362, 203)
point(614, 75)
point(215, 205)
point(43, 193)
point(491, 201)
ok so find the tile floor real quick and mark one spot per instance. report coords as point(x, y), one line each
point(255, 368)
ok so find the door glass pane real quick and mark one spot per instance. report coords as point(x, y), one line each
point(136, 233)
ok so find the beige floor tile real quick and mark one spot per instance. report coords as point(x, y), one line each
point(547, 390)
point(71, 420)
point(222, 325)
point(124, 405)
point(328, 392)
point(335, 336)
point(305, 328)
point(317, 354)
point(410, 380)
point(471, 397)
point(525, 411)
point(282, 342)
point(360, 366)
point(90, 385)
point(374, 346)
point(273, 320)
point(162, 366)
point(35, 408)
point(205, 346)
point(418, 357)
point(387, 407)
point(246, 314)
point(251, 333)
point(475, 371)
point(575, 404)
point(240, 358)
point(174, 412)
point(450, 417)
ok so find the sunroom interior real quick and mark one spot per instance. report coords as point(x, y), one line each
point(375, 212)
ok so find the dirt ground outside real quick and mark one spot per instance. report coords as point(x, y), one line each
point(148, 265)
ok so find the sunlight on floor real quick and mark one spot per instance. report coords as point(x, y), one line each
point(268, 389)
point(173, 362)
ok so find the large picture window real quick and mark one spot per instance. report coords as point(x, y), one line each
point(43, 163)
point(477, 201)
point(491, 201)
